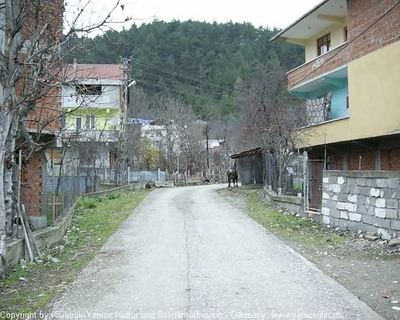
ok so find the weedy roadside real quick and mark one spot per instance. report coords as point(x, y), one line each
point(31, 287)
point(288, 226)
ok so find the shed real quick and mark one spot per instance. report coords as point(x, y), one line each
point(250, 166)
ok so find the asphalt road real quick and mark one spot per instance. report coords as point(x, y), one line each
point(188, 253)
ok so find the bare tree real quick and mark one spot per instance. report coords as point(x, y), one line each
point(182, 136)
point(31, 65)
point(270, 117)
point(225, 132)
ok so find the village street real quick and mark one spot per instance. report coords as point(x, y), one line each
point(188, 253)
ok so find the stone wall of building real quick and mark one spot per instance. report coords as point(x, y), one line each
point(361, 200)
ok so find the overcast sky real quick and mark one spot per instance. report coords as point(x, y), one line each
point(266, 13)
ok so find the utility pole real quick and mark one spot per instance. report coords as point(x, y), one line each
point(208, 150)
point(123, 116)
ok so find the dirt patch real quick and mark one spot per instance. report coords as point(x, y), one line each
point(368, 269)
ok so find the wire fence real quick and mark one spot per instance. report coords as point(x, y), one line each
point(61, 191)
point(284, 174)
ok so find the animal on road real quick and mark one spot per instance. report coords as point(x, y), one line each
point(232, 176)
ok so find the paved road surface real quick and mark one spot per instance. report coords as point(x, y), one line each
point(187, 253)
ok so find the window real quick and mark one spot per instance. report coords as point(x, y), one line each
point(345, 33)
point(324, 44)
point(90, 122)
point(88, 89)
point(78, 123)
point(113, 158)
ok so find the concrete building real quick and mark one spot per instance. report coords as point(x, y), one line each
point(350, 82)
point(94, 112)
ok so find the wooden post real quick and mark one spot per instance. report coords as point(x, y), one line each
point(27, 242)
point(30, 233)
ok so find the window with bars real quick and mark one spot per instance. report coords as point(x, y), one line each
point(88, 89)
point(324, 44)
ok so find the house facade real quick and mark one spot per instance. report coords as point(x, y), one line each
point(94, 114)
point(42, 121)
point(349, 80)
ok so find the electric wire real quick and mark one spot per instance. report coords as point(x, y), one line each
point(348, 45)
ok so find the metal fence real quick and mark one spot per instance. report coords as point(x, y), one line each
point(61, 191)
point(132, 176)
point(60, 194)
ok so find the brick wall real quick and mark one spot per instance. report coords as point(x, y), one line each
point(31, 186)
point(361, 15)
point(390, 160)
point(319, 66)
point(367, 161)
point(361, 200)
point(335, 162)
point(45, 18)
point(45, 115)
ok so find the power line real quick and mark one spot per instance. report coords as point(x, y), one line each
point(148, 65)
point(185, 92)
point(179, 82)
point(181, 75)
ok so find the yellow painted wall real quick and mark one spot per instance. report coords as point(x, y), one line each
point(374, 94)
point(337, 38)
point(102, 117)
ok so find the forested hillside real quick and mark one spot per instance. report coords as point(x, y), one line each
point(202, 63)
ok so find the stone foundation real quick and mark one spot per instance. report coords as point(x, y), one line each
point(361, 200)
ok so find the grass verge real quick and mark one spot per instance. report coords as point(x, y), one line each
point(29, 289)
point(286, 226)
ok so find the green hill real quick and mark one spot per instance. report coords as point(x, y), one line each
point(200, 62)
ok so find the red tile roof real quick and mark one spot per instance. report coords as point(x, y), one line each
point(94, 71)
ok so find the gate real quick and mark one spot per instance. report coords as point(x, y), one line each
point(314, 169)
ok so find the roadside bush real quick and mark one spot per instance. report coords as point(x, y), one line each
point(87, 203)
point(112, 196)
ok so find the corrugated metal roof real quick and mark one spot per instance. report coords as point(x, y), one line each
point(95, 71)
point(246, 153)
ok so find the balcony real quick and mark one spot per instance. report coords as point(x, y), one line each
point(318, 67)
point(332, 106)
point(92, 135)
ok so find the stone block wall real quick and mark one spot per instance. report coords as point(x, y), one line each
point(361, 200)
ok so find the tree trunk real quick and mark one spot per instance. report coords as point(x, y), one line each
point(6, 124)
point(2, 213)
point(8, 175)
